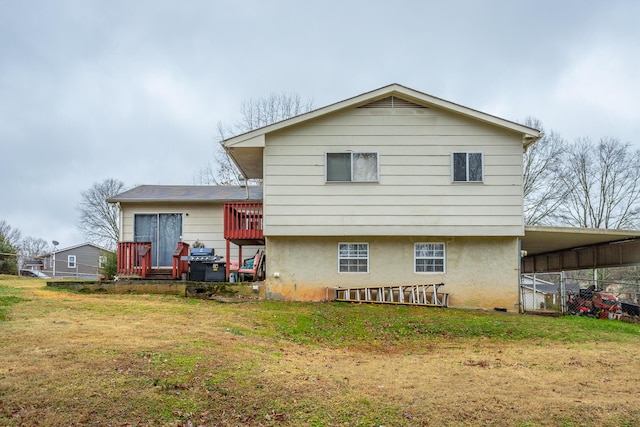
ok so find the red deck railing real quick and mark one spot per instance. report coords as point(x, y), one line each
point(134, 258)
point(243, 221)
point(180, 266)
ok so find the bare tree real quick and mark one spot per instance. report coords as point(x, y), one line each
point(603, 180)
point(260, 112)
point(99, 219)
point(543, 192)
point(254, 114)
point(221, 170)
point(10, 235)
point(32, 247)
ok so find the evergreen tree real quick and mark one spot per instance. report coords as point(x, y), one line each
point(8, 257)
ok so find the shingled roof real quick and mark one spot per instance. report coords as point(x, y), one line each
point(189, 193)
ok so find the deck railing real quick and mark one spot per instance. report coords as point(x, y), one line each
point(179, 266)
point(134, 258)
point(243, 221)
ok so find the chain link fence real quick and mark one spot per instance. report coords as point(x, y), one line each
point(573, 293)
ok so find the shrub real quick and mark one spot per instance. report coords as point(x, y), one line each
point(110, 267)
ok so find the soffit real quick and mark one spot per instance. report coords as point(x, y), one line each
point(540, 240)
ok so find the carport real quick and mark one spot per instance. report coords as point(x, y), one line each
point(555, 249)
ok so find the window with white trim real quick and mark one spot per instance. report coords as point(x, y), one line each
point(352, 167)
point(71, 261)
point(467, 167)
point(429, 257)
point(353, 257)
point(102, 260)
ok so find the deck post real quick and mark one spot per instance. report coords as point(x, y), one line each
point(228, 260)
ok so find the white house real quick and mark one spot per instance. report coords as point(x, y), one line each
point(389, 187)
point(393, 186)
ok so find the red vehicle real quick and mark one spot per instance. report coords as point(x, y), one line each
point(606, 305)
point(595, 304)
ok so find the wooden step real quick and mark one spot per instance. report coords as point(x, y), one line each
point(160, 274)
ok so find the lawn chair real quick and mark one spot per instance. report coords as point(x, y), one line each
point(252, 267)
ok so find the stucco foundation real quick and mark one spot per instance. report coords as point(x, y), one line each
point(481, 272)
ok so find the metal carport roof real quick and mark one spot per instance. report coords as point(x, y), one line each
point(564, 248)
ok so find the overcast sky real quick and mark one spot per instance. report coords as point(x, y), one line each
point(133, 90)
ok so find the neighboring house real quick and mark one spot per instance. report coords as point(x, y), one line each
point(390, 187)
point(539, 294)
point(81, 261)
point(32, 264)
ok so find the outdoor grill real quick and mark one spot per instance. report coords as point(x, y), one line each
point(205, 266)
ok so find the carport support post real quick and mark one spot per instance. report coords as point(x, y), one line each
point(595, 268)
point(563, 292)
point(535, 307)
point(520, 293)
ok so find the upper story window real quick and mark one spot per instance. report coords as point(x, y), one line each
point(467, 167)
point(71, 261)
point(352, 167)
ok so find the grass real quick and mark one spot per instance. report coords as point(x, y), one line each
point(8, 297)
point(343, 324)
point(150, 360)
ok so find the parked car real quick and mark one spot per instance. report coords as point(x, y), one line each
point(34, 273)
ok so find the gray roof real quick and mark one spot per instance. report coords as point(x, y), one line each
point(189, 193)
point(57, 251)
point(546, 287)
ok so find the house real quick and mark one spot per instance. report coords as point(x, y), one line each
point(539, 294)
point(31, 264)
point(81, 261)
point(389, 187)
point(392, 186)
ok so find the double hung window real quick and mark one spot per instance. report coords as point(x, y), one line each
point(467, 167)
point(352, 167)
point(353, 257)
point(71, 261)
point(429, 257)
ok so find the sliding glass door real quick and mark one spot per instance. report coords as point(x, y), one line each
point(163, 231)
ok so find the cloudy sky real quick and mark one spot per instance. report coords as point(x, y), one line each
point(133, 90)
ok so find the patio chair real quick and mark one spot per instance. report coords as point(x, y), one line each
point(252, 267)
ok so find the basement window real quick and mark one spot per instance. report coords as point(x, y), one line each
point(353, 257)
point(352, 167)
point(429, 257)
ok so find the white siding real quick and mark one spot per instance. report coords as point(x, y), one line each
point(414, 195)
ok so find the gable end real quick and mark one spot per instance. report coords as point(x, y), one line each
point(392, 102)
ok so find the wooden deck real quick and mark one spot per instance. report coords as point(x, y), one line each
point(243, 223)
point(134, 260)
